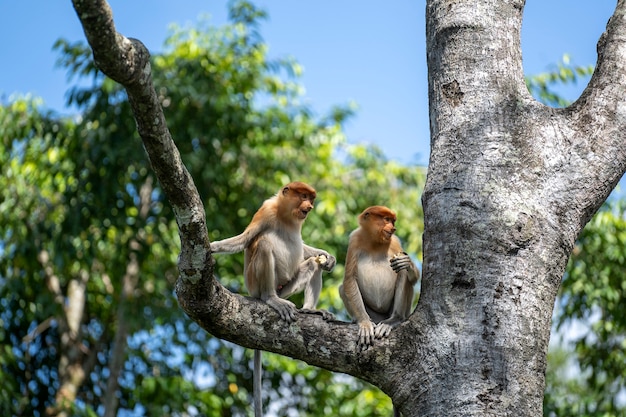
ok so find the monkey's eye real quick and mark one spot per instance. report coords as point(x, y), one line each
point(390, 220)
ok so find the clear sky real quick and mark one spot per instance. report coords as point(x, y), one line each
point(369, 52)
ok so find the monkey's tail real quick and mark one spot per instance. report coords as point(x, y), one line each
point(256, 384)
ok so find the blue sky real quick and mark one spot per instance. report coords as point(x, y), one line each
point(351, 50)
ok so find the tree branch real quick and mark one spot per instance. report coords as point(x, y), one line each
point(599, 117)
point(127, 61)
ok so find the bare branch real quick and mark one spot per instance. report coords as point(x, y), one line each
point(52, 281)
point(127, 61)
point(599, 116)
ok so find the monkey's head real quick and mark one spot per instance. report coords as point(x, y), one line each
point(379, 222)
point(300, 198)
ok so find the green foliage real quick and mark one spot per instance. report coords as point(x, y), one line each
point(34, 174)
point(565, 393)
point(593, 292)
point(588, 380)
point(295, 388)
point(542, 86)
point(80, 206)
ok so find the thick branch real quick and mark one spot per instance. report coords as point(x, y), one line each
point(128, 62)
point(599, 118)
point(330, 345)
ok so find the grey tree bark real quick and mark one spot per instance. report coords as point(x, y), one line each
point(511, 183)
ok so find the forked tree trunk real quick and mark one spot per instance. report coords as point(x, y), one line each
point(510, 185)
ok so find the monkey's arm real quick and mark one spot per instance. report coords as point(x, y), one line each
point(263, 219)
point(310, 252)
point(237, 243)
point(401, 261)
point(407, 276)
point(231, 245)
point(353, 300)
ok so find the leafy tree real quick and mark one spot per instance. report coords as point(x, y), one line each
point(31, 174)
point(593, 293)
point(89, 245)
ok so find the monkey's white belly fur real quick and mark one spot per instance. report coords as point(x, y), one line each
point(288, 255)
point(377, 282)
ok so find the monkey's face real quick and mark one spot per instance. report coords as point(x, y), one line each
point(304, 206)
point(379, 222)
point(301, 198)
point(386, 228)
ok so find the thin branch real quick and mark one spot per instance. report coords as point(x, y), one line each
point(41, 327)
point(52, 281)
point(127, 61)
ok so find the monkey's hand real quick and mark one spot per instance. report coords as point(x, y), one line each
point(326, 261)
point(400, 261)
point(286, 309)
point(366, 334)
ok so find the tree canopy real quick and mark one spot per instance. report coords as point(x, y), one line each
point(90, 244)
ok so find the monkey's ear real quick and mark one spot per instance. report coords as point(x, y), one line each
point(366, 215)
point(285, 190)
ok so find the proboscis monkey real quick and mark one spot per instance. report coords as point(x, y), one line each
point(378, 282)
point(277, 263)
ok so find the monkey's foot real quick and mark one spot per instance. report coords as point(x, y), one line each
point(286, 309)
point(366, 334)
point(326, 315)
point(384, 327)
point(382, 330)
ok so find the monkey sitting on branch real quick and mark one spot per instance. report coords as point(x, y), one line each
point(377, 287)
point(277, 263)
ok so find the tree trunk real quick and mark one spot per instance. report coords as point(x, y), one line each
point(117, 356)
point(510, 185)
point(72, 370)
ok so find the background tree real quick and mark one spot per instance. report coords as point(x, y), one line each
point(592, 294)
point(89, 246)
point(588, 380)
point(511, 184)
